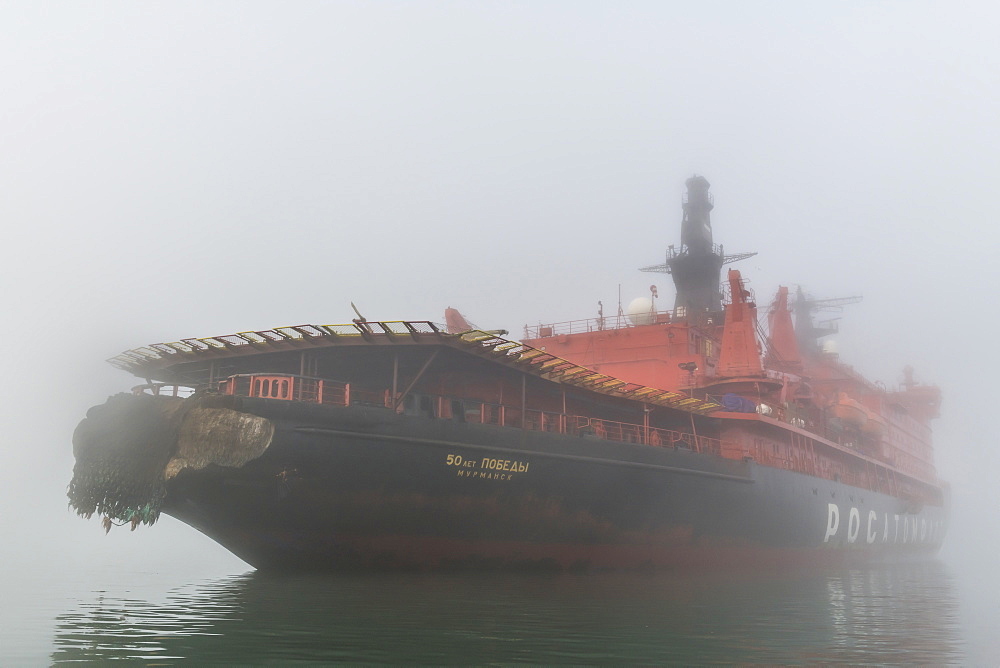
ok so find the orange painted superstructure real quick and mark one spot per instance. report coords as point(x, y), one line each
point(649, 354)
point(788, 404)
point(740, 356)
point(783, 353)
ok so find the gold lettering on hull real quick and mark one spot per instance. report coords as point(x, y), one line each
point(485, 475)
point(486, 468)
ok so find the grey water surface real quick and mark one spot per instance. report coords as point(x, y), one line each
point(903, 614)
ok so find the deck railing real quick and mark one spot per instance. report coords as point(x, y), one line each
point(338, 393)
point(599, 324)
point(288, 387)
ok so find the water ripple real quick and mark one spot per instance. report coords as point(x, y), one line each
point(903, 614)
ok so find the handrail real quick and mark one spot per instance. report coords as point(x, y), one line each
point(337, 393)
point(291, 387)
point(132, 360)
point(287, 387)
point(599, 324)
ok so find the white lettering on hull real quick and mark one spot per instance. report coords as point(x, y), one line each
point(832, 521)
point(853, 525)
point(914, 530)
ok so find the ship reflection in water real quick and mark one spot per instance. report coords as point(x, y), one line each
point(900, 614)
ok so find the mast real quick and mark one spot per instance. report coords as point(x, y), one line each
point(696, 267)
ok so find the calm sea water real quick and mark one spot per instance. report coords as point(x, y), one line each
point(902, 614)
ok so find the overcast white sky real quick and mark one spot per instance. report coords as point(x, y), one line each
point(188, 169)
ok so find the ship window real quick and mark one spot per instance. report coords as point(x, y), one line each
point(284, 389)
point(426, 406)
point(473, 411)
point(457, 411)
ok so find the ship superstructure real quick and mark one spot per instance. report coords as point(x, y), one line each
point(832, 421)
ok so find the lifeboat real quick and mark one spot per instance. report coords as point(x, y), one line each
point(848, 411)
point(851, 413)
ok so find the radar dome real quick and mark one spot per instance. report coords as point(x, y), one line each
point(640, 311)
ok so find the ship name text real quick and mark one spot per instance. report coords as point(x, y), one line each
point(486, 468)
point(880, 528)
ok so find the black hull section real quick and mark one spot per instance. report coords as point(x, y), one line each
point(363, 488)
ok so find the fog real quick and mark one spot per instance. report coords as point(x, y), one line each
point(192, 169)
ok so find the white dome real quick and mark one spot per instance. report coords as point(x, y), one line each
point(640, 311)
